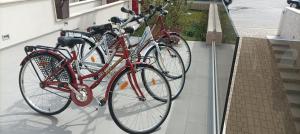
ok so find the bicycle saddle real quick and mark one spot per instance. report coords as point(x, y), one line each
point(69, 41)
point(100, 29)
point(64, 32)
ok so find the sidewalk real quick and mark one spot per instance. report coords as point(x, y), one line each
point(256, 18)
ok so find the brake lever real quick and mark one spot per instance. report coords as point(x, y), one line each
point(57, 46)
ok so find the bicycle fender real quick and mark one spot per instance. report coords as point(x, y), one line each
point(168, 34)
point(173, 33)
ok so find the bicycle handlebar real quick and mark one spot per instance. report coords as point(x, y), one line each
point(151, 12)
point(123, 9)
point(133, 17)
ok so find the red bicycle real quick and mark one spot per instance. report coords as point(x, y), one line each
point(163, 57)
point(138, 95)
point(163, 36)
point(170, 38)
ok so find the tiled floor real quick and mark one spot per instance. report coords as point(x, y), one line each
point(189, 114)
point(258, 103)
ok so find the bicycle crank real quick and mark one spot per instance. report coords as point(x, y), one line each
point(83, 95)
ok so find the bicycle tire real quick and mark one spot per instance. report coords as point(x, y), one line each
point(186, 53)
point(98, 55)
point(119, 117)
point(63, 75)
point(90, 45)
point(177, 81)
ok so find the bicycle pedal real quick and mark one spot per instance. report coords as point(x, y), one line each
point(101, 101)
point(173, 56)
point(96, 78)
point(165, 72)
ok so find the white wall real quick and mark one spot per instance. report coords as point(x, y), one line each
point(83, 5)
point(289, 27)
point(27, 20)
point(1, 27)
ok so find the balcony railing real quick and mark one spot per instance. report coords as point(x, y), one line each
point(225, 42)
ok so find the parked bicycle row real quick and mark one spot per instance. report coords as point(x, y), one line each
point(142, 78)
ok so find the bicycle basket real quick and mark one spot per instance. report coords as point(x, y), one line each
point(48, 65)
point(109, 40)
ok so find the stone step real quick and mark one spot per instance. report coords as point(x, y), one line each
point(290, 77)
point(293, 100)
point(297, 125)
point(283, 59)
point(292, 88)
point(295, 113)
point(280, 46)
point(283, 50)
point(288, 68)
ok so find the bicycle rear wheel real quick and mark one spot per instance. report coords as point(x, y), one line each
point(44, 100)
point(135, 114)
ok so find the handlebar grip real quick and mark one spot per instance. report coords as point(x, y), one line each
point(159, 8)
point(123, 9)
point(57, 46)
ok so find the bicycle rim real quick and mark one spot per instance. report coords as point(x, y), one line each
point(172, 66)
point(134, 115)
point(182, 47)
point(92, 62)
point(43, 100)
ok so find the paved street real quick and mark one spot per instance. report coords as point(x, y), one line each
point(257, 18)
point(189, 113)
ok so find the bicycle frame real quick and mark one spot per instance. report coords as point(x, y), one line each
point(147, 38)
point(163, 30)
point(97, 44)
point(102, 73)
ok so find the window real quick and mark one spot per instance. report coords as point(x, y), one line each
point(111, 1)
point(72, 1)
point(107, 1)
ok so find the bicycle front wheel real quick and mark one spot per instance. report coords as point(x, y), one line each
point(168, 60)
point(44, 100)
point(137, 114)
point(181, 46)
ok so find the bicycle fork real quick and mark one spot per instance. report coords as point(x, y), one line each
point(134, 84)
point(160, 57)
